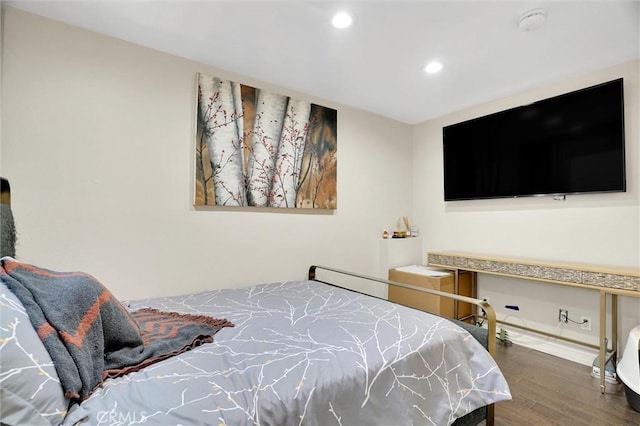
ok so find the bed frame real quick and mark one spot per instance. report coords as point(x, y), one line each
point(485, 336)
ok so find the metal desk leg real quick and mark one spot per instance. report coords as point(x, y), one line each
point(456, 290)
point(603, 338)
point(614, 324)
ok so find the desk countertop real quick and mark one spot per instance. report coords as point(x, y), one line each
point(627, 280)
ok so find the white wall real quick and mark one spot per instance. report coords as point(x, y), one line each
point(602, 229)
point(98, 144)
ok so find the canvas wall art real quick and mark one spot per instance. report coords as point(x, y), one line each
point(262, 149)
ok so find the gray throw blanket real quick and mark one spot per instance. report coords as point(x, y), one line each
point(87, 331)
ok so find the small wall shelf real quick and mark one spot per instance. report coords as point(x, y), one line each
point(396, 252)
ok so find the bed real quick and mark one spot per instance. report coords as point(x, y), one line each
point(306, 352)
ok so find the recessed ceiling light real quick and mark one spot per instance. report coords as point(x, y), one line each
point(433, 67)
point(342, 20)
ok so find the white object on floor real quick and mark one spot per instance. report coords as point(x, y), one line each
point(629, 368)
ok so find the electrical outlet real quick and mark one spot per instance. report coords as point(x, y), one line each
point(486, 299)
point(586, 323)
point(563, 316)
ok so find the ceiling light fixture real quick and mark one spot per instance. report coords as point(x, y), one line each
point(433, 67)
point(532, 19)
point(342, 20)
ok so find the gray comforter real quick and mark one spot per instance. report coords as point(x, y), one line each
point(305, 353)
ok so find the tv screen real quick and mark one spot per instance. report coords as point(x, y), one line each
point(568, 144)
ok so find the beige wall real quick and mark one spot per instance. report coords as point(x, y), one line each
point(98, 144)
point(599, 229)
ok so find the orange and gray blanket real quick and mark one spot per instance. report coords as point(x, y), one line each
point(90, 335)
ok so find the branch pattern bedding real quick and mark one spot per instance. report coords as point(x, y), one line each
point(300, 353)
point(306, 352)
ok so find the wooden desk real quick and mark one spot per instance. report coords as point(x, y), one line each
point(607, 281)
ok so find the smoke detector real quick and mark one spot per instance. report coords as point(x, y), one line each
point(532, 19)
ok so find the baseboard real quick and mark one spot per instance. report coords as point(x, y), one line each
point(572, 352)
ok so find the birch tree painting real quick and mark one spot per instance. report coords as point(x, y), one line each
point(259, 148)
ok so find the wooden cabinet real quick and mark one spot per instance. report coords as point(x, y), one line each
point(427, 302)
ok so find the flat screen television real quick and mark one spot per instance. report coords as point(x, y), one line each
point(568, 144)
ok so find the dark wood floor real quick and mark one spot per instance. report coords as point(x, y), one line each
point(548, 390)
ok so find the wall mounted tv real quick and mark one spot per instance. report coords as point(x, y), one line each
point(568, 144)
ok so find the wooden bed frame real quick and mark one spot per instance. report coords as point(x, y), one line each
point(489, 314)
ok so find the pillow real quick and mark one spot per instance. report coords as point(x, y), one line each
point(30, 391)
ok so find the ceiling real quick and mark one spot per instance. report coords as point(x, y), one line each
point(377, 64)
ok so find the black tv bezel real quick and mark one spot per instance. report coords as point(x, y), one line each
point(618, 81)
